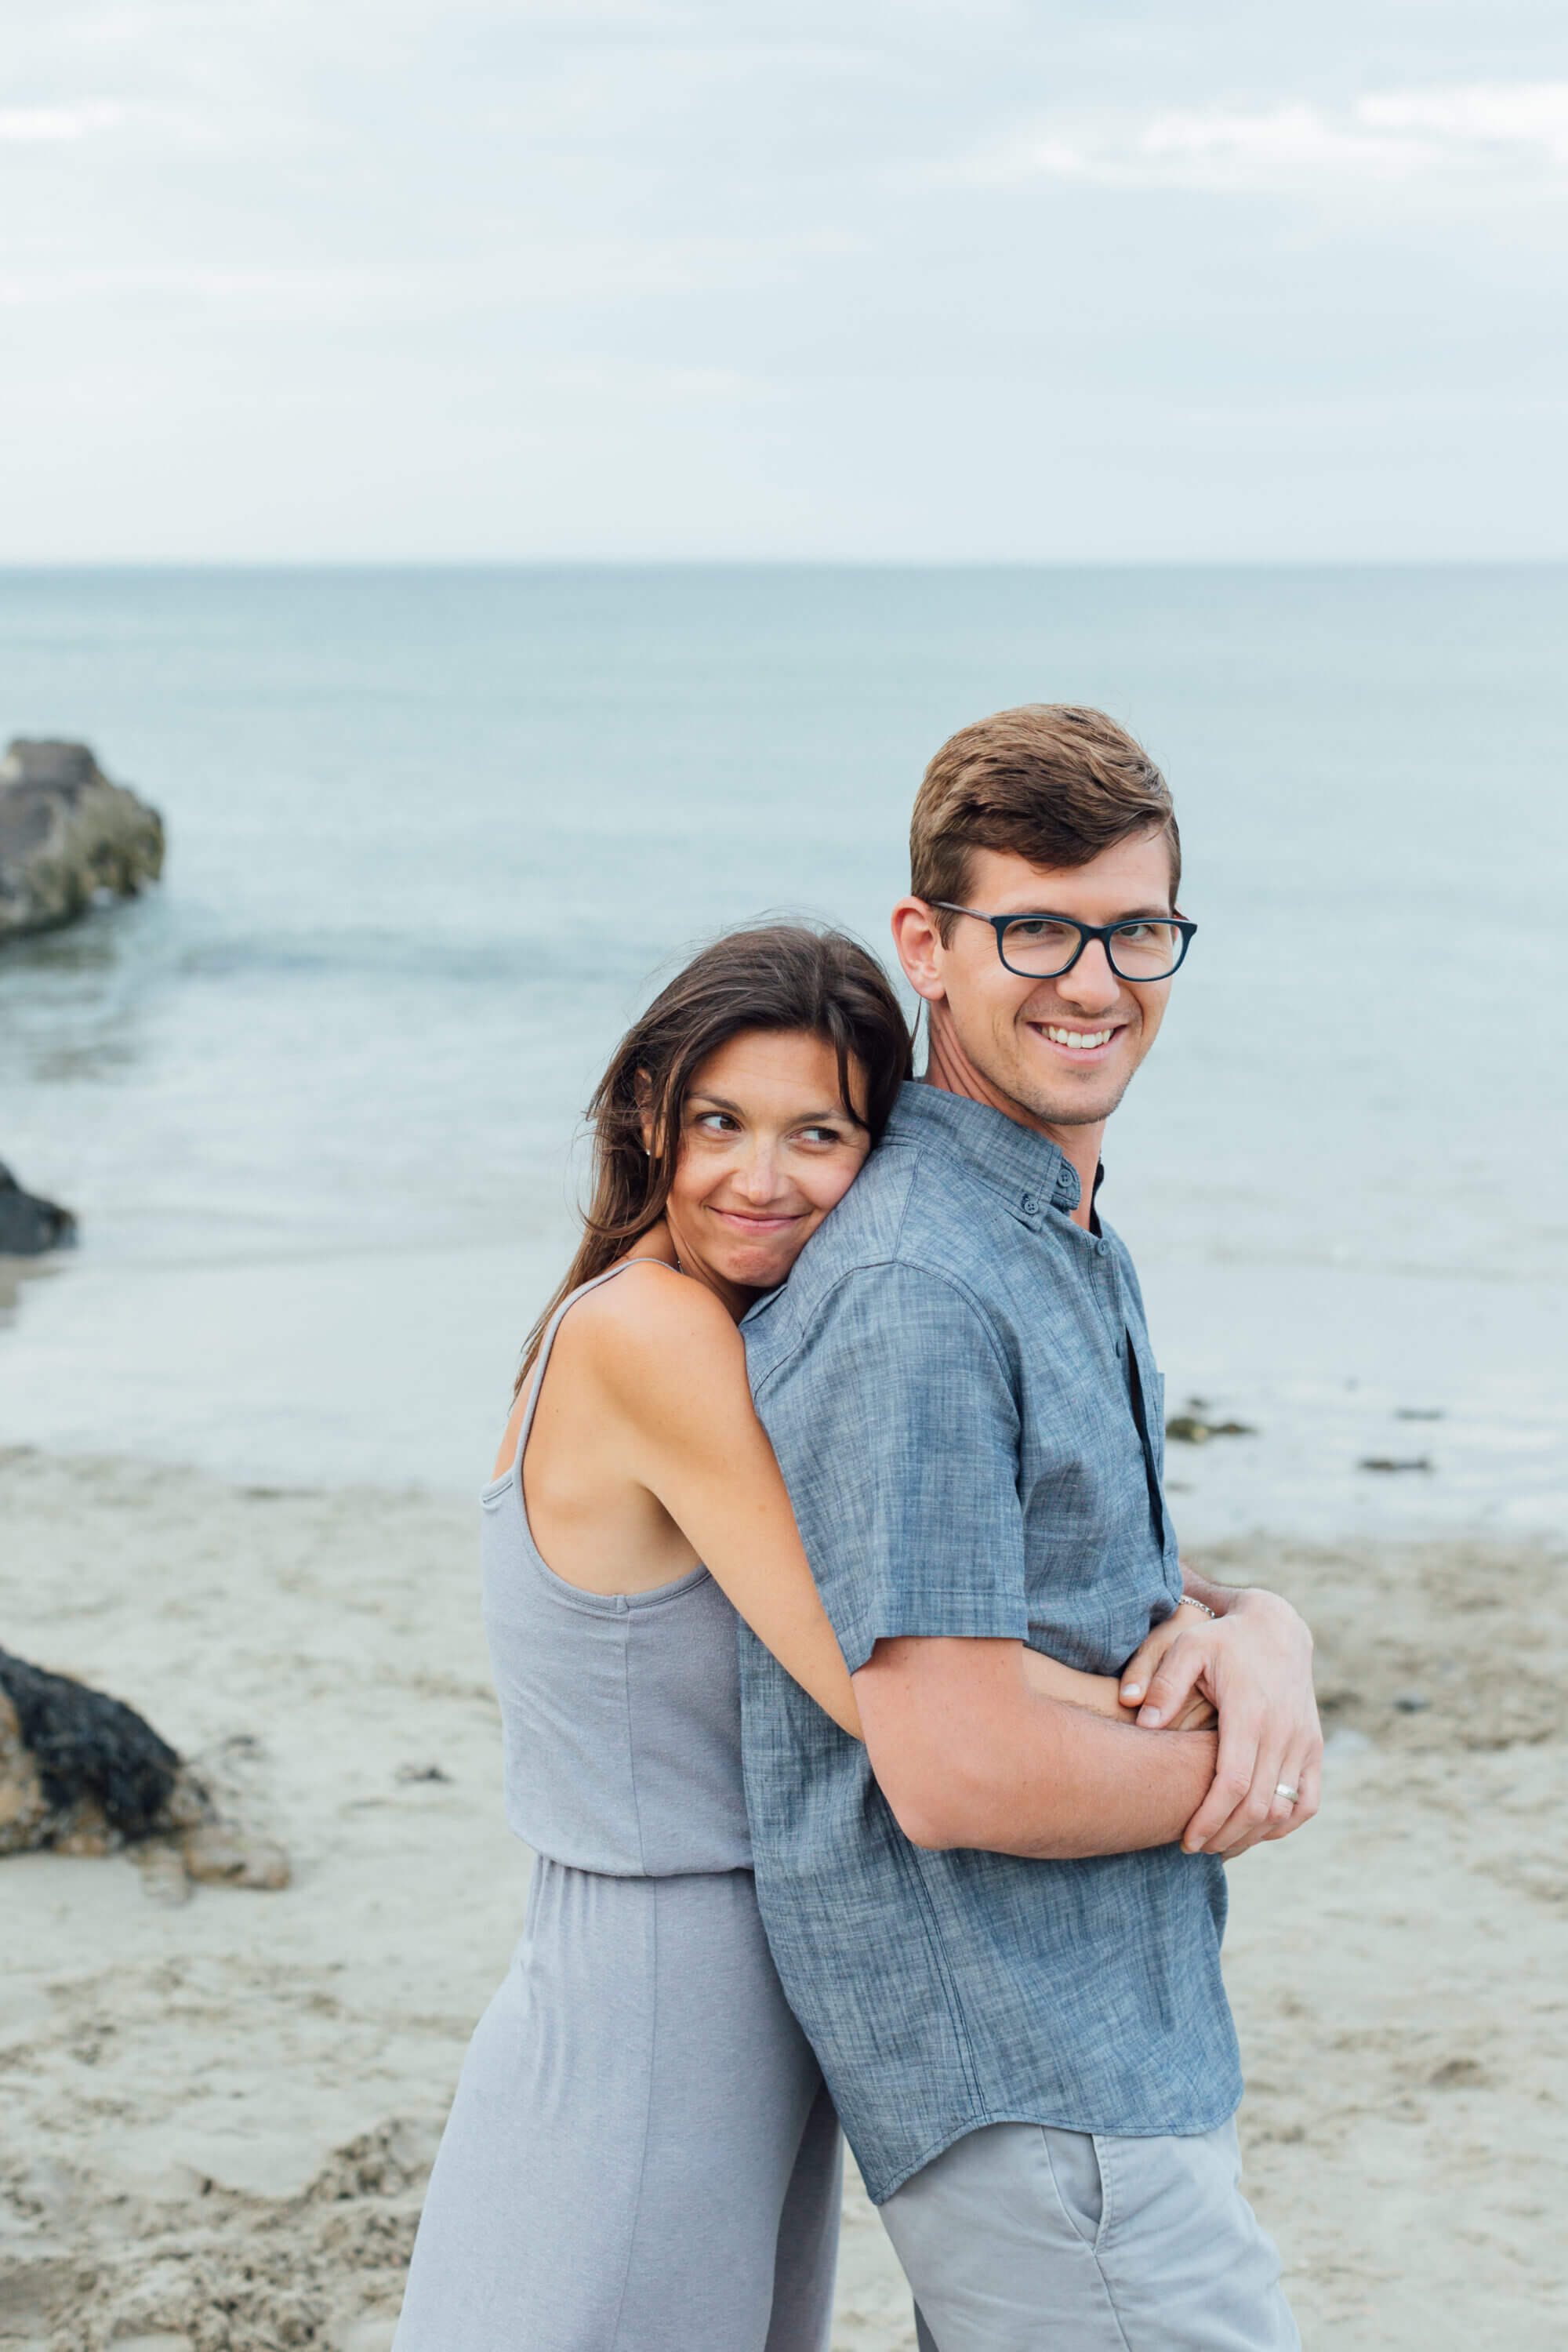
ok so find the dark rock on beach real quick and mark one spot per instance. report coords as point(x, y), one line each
point(66, 836)
point(1190, 1429)
point(83, 1773)
point(85, 1745)
point(29, 1225)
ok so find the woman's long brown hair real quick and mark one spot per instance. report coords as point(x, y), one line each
point(781, 976)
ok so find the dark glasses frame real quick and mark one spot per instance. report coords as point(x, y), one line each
point(1104, 932)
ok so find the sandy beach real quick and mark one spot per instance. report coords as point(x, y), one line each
point(218, 2115)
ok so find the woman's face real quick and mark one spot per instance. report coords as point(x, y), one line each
point(766, 1149)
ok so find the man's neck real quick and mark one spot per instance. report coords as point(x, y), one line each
point(950, 1068)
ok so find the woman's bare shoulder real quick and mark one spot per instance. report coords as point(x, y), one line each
point(653, 1328)
point(653, 1305)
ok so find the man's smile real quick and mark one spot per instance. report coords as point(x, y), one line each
point(1079, 1044)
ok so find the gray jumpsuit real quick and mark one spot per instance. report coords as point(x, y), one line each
point(641, 2156)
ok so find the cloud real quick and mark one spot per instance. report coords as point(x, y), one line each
point(1506, 136)
point(1520, 114)
point(566, 275)
point(620, 380)
point(52, 126)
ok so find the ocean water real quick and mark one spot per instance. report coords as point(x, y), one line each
point(433, 832)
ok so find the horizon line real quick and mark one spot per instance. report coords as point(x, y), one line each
point(11, 566)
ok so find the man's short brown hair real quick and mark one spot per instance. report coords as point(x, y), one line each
point(1051, 782)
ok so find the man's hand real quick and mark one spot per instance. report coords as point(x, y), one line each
point(1255, 1663)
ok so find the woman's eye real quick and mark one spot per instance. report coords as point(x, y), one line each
point(822, 1134)
point(715, 1123)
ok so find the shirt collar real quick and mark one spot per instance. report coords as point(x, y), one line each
point(1034, 1173)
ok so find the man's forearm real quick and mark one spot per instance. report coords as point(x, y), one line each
point(968, 1755)
point(1077, 1784)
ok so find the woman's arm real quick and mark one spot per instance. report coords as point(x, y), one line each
point(1100, 1694)
point(675, 1375)
point(1103, 1694)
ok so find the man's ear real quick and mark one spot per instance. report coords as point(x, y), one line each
point(919, 948)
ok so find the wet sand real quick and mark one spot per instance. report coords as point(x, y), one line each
point(215, 2119)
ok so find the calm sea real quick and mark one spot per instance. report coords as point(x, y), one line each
point(432, 832)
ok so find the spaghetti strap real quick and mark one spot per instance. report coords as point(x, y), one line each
point(548, 1343)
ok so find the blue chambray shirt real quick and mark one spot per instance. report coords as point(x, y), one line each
point(944, 1378)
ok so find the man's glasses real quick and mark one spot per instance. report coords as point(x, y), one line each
point(1041, 947)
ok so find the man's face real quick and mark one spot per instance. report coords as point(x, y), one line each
point(1016, 1037)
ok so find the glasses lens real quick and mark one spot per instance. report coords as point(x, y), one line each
point(1036, 945)
point(1146, 950)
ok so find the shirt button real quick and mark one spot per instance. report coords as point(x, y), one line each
point(1030, 1205)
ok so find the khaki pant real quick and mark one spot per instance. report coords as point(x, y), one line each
point(1024, 2237)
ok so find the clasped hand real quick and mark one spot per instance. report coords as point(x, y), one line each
point(1251, 1670)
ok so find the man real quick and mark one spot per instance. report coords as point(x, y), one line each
point(1000, 1919)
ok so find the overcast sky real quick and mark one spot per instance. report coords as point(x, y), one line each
point(974, 279)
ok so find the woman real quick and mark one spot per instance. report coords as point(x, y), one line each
point(641, 2156)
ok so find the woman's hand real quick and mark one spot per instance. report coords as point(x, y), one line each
point(1103, 1694)
point(1195, 1712)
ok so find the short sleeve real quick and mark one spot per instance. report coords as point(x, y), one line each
point(896, 1427)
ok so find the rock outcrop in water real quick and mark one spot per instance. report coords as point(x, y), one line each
point(67, 835)
point(83, 1773)
point(29, 1225)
